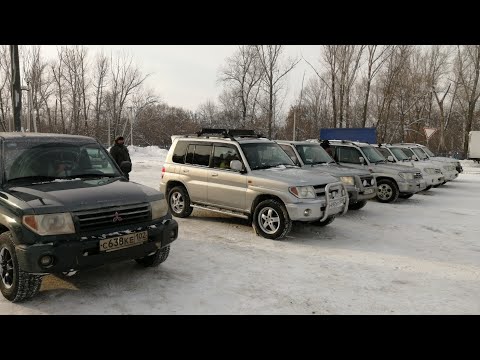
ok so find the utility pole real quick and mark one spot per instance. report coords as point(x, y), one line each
point(16, 87)
point(294, 111)
point(131, 127)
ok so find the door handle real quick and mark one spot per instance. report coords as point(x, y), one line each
point(185, 170)
point(214, 174)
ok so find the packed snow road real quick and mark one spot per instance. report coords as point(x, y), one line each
point(417, 256)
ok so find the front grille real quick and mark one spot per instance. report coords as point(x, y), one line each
point(97, 219)
point(418, 175)
point(367, 181)
point(319, 190)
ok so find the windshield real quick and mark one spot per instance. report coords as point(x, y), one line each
point(372, 154)
point(421, 155)
point(428, 151)
point(313, 154)
point(399, 154)
point(265, 155)
point(43, 160)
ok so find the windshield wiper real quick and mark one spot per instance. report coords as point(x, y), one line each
point(86, 176)
point(32, 179)
point(380, 161)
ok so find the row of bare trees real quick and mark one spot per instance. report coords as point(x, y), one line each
point(74, 93)
point(399, 89)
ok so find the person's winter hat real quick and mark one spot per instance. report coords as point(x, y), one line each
point(119, 138)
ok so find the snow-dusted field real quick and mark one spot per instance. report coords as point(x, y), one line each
point(418, 256)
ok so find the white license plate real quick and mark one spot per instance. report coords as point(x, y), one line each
point(368, 191)
point(336, 203)
point(124, 241)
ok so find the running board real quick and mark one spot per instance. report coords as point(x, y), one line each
point(221, 211)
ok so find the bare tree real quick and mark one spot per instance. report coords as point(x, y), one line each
point(274, 72)
point(99, 83)
point(243, 73)
point(468, 70)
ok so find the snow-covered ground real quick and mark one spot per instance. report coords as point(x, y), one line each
point(418, 256)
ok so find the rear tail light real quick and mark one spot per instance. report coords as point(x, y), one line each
point(163, 171)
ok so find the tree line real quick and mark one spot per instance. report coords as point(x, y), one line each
point(398, 89)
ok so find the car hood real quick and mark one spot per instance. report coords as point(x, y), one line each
point(77, 195)
point(392, 167)
point(337, 170)
point(294, 176)
point(444, 159)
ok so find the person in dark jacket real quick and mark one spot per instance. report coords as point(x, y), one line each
point(119, 152)
point(326, 145)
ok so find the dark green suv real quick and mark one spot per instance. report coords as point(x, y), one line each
point(61, 210)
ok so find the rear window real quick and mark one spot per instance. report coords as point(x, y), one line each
point(179, 152)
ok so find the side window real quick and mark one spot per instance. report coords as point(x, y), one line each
point(179, 152)
point(222, 155)
point(202, 155)
point(384, 152)
point(190, 152)
point(290, 152)
point(348, 155)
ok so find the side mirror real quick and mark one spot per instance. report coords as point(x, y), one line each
point(414, 157)
point(236, 165)
point(126, 167)
point(362, 160)
point(390, 158)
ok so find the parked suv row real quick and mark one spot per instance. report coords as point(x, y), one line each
point(239, 173)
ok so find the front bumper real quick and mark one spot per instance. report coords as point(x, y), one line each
point(83, 252)
point(412, 187)
point(320, 209)
point(450, 175)
point(433, 180)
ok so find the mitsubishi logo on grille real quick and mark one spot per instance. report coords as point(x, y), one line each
point(117, 217)
point(334, 194)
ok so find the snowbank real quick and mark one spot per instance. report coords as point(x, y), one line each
point(148, 152)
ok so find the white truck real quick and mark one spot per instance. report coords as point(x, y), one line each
point(474, 146)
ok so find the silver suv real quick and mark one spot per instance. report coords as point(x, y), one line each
point(238, 173)
point(393, 181)
point(360, 184)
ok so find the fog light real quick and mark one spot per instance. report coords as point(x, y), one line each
point(46, 260)
point(307, 212)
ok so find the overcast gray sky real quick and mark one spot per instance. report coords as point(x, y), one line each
point(185, 75)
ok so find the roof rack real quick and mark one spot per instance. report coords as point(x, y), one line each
point(223, 133)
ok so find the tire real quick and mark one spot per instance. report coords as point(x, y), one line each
point(179, 202)
point(156, 259)
point(327, 221)
point(387, 191)
point(268, 210)
point(15, 284)
point(357, 205)
point(405, 196)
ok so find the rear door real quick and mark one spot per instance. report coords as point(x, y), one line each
point(226, 188)
point(195, 170)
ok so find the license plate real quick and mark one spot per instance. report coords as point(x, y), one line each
point(368, 191)
point(336, 203)
point(124, 241)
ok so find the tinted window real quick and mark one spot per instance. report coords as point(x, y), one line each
point(189, 157)
point(223, 155)
point(348, 155)
point(202, 155)
point(313, 154)
point(384, 152)
point(179, 152)
point(288, 149)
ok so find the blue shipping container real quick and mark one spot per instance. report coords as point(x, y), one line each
point(368, 135)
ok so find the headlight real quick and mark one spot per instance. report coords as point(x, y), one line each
point(430, 171)
point(347, 180)
point(303, 192)
point(50, 224)
point(407, 176)
point(159, 209)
